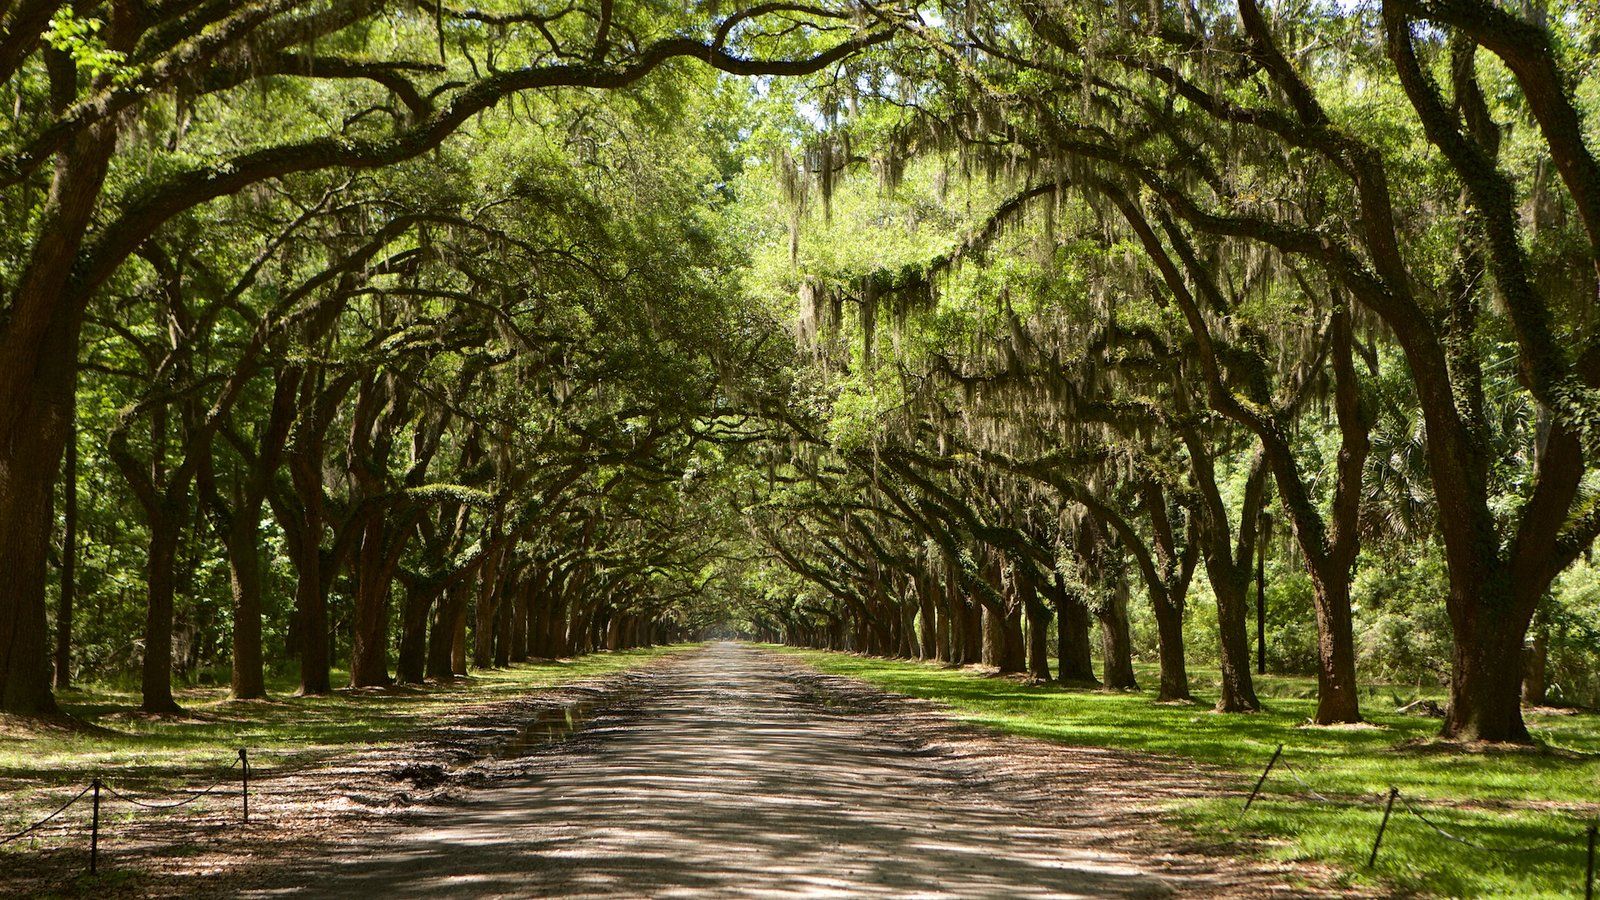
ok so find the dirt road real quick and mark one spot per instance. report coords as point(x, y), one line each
point(729, 773)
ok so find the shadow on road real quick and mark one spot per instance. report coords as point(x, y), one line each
point(724, 776)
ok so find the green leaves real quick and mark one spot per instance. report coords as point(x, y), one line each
point(80, 38)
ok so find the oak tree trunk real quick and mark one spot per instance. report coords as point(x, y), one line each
point(244, 574)
point(69, 562)
point(369, 646)
point(160, 583)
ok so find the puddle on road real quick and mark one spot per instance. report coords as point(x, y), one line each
point(550, 726)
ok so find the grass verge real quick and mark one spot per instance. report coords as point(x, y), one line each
point(1496, 798)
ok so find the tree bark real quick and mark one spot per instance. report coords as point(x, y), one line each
point(483, 619)
point(411, 659)
point(69, 562)
point(1038, 629)
point(160, 584)
point(244, 575)
point(1237, 689)
point(311, 605)
point(1338, 699)
point(1169, 651)
point(1486, 681)
point(1117, 640)
point(38, 369)
point(927, 617)
point(1074, 656)
point(458, 641)
point(452, 608)
point(506, 601)
point(369, 646)
point(521, 618)
point(1535, 661)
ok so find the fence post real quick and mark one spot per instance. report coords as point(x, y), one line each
point(1263, 779)
point(244, 760)
point(1378, 841)
point(1588, 880)
point(94, 830)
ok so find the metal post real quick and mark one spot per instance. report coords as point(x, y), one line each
point(1263, 779)
point(94, 830)
point(1378, 841)
point(244, 760)
point(1588, 881)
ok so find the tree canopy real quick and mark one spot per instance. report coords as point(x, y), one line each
point(398, 338)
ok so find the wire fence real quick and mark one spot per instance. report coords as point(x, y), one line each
point(98, 785)
point(1584, 833)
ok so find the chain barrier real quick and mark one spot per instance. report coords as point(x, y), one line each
point(1279, 759)
point(1289, 767)
point(42, 822)
point(1530, 848)
point(184, 802)
point(98, 785)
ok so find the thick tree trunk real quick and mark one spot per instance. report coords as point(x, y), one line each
point(972, 631)
point(956, 616)
point(558, 642)
point(505, 603)
point(1338, 700)
point(943, 641)
point(38, 370)
point(927, 620)
point(442, 637)
point(69, 562)
point(160, 587)
point(411, 660)
point(369, 651)
point(458, 642)
point(1074, 655)
point(539, 625)
point(1038, 632)
point(483, 620)
point(1169, 650)
point(1535, 658)
point(552, 628)
point(1016, 644)
point(1486, 681)
point(994, 639)
point(1117, 641)
point(1232, 590)
point(244, 573)
point(30, 455)
point(302, 519)
point(910, 642)
point(311, 604)
point(519, 622)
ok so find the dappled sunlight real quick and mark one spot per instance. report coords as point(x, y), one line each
point(728, 777)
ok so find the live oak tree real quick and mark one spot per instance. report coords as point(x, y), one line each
point(1245, 171)
point(424, 337)
point(129, 114)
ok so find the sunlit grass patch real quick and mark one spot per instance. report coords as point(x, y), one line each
point(1498, 798)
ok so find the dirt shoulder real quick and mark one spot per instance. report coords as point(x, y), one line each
point(302, 807)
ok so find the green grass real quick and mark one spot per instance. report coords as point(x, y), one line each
point(1511, 797)
point(39, 764)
